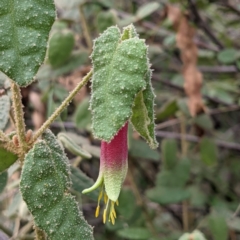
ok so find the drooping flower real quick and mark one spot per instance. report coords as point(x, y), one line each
point(113, 169)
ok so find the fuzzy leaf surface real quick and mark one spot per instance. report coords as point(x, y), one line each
point(119, 68)
point(4, 110)
point(44, 185)
point(143, 114)
point(25, 27)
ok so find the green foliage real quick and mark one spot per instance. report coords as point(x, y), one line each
point(106, 19)
point(167, 110)
point(147, 9)
point(169, 153)
point(6, 159)
point(119, 68)
point(45, 184)
point(80, 182)
point(134, 233)
point(72, 147)
point(227, 56)
point(82, 116)
point(4, 110)
point(25, 27)
point(60, 47)
point(3, 180)
point(208, 151)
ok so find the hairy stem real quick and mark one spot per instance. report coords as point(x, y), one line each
point(61, 107)
point(85, 28)
point(18, 115)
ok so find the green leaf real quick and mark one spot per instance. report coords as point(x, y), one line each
point(25, 27)
point(80, 182)
point(204, 121)
point(227, 55)
point(175, 177)
point(6, 159)
point(134, 233)
point(168, 195)
point(140, 149)
point(4, 110)
point(82, 116)
point(147, 9)
point(45, 184)
point(208, 151)
point(106, 19)
point(60, 47)
point(72, 147)
point(169, 153)
point(167, 110)
point(218, 226)
point(143, 114)
point(3, 180)
point(119, 68)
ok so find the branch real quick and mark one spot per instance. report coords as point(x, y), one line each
point(192, 138)
point(200, 22)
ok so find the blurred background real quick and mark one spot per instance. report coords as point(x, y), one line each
point(192, 181)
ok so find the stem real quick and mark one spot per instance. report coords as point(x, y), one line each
point(40, 235)
point(18, 115)
point(85, 28)
point(61, 107)
point(184, 149)
point(141, 203)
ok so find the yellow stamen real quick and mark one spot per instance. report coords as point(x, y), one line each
point(112, 219)
point(117, 203)
point(97, 211)
point(104, 215)
point(105, 198)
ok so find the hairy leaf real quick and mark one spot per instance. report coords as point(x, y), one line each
point(24, 31)
point(44, 185)
point(3, 180)
point(143, 114)
point(4, 110)
point(119, 68)
point(6, 159)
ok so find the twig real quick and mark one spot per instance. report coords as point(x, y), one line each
point(6, 230)
point(230, 6)
point(85, 28)
point(18, 115)
point(199, 21)
point(192, 138)
point(61, 107)
point(179, 88)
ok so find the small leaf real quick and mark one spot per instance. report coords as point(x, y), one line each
point(134, 233)
point(169, 153)
point(204, 121)
point(82, 116)
point(168, 195)
point(119, 68)
point(80, 182)
point(60, 47)
point(140, 149)
point(70, 145)
point(4, 110)
point(24, 35)
point(147, 9)
point(44, 185)
point(3, 180)
point(227, 55)
point(168, 110)
point(208, 151)
point(6, 159)
point(195, 235)
point(106, 19)
point(218, 226)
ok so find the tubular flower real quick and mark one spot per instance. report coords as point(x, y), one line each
point(113, 169)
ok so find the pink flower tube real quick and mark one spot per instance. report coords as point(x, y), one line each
point(113, 169)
